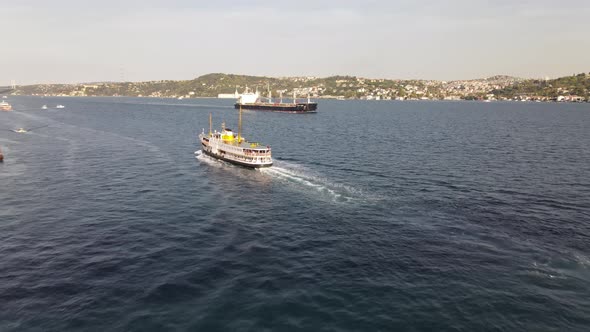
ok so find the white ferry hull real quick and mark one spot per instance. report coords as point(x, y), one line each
point(246, 157)
point(236, 162)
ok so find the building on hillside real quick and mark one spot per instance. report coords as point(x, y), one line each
point(234, 95)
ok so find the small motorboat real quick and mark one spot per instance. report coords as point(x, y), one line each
point(26, 130)
point(60, 106)
point(44, 107)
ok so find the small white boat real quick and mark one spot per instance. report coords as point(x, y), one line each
point(60, 106)
point(26, 130)
point(4, 106)
point(44, 107)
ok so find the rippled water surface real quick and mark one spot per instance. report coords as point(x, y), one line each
point(377, 216)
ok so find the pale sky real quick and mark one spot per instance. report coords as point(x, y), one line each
point(67, 41)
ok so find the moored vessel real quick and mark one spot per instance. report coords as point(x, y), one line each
point(233, 148)
point(253, 101)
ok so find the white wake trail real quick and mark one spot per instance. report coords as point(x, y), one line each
point(304, 181)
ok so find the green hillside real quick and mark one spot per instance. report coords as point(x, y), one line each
point(350, 87)
point(575, 85)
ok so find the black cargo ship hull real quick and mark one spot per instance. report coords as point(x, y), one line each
point(288, 108)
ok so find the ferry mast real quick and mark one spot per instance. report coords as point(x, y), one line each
point(240, 125)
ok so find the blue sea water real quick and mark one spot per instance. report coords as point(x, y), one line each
point(377, 216)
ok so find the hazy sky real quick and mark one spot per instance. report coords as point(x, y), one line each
point(69, 41)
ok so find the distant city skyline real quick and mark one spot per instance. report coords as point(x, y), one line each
point(66, 41)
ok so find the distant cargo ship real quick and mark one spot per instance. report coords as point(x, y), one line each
point(252, 101)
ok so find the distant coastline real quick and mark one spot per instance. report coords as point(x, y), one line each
point(575, 88)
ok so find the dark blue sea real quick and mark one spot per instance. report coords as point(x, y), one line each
point(377, 216)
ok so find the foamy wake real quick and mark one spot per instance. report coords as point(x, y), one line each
point(574, 266)
point(582, 260)
point(209, 160)
point(302, 179)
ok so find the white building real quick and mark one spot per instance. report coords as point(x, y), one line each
point(234, 95)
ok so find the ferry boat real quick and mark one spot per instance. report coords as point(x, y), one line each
point(227, 146)
point(253, 101)
point(4, 106)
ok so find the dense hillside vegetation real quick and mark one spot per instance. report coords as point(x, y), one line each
point(575, 85)
point(210, 85)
